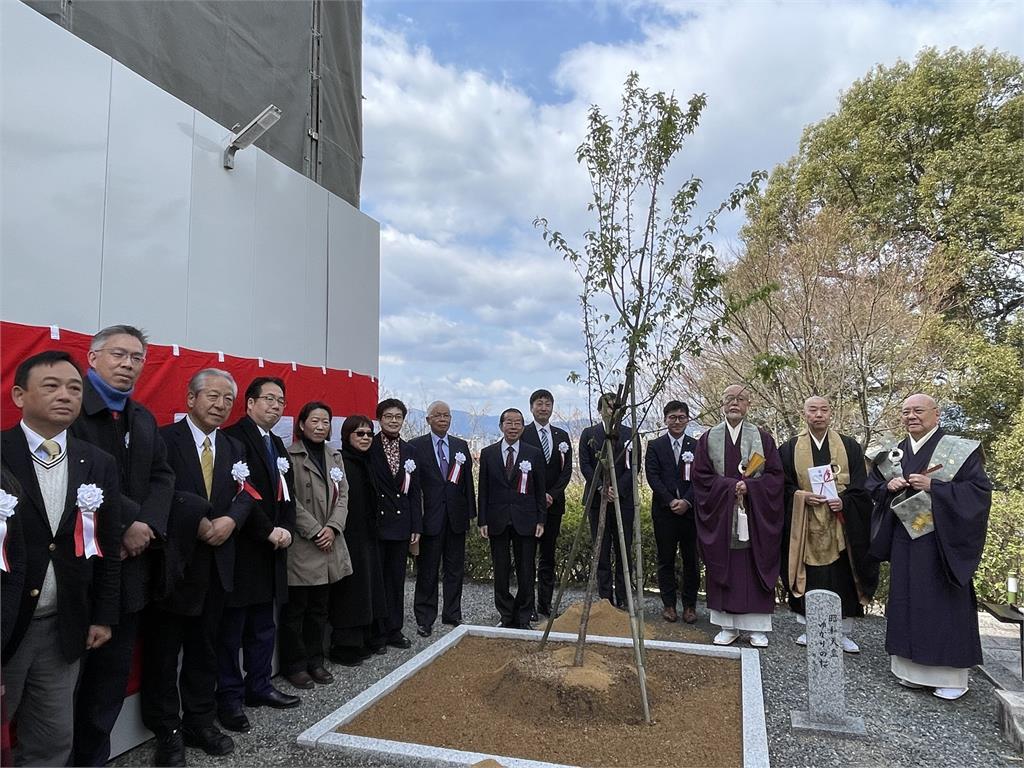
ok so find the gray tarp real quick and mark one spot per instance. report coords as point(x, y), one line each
point(230, 59)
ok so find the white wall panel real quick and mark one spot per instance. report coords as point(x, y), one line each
point(54, 96)
point(149, 181)
point(354, 279)
point(281, 249)
point(314, 309)
point(220, 262)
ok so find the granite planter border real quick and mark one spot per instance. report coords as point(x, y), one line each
point(324, 734)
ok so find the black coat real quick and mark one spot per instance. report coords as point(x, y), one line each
point(591, 445)
point(399, 514)
point(557, 471)
point(12, 581)
point(87, 589)
point(200, 558)
point(500, 503)
point(261, 572)
point(147, 484)
point(358, 599)
point(666, 476)
point(444, 503)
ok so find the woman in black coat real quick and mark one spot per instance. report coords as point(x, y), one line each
point(357, 602)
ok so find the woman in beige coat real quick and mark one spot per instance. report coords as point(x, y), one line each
point(318, 556)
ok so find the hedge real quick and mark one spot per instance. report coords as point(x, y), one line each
point(1004, 547)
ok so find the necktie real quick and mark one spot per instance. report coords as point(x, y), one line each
point(510, 463)
point(51, 448)
point(442, 459)
point(545, 443)
point(675, 449)
point(206, 462)
point(268, 444)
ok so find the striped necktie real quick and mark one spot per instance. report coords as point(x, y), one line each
point(545, 443)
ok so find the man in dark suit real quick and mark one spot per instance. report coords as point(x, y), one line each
point(557, 449)
point(396, 474)
point(114, 422)
point(449, 504)
point(188, 620)
point(668, 464)
point(511, 512)
point(69, 512)
point(261, 574)
point(591, 447)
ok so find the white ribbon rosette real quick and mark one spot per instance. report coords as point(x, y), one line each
point(282, 485)
point(7, 504)
point(456, 470)
point(89, 500)
point(687, 458)
point(563, 449)
point(336, 477)
point(410, 467)
point(240, 474)
point(524, 474)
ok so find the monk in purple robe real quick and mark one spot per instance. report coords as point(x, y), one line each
point(740, 514)
point(932, 500)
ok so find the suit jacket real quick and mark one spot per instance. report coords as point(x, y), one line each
point(199, 558)
point(261, 572)
point(557, 471)
point(12, 581)
point(147, 484)
point(401, 514)
point(500, 502)
point(88, 590)
point(666, 476)
point(445, 503)
point(308, 566)
point(591, 445)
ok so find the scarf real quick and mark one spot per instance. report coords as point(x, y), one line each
point(114, 399)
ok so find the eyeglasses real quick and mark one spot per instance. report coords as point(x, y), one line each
point(363, 433)
point(120, 355)
point(677, 417)
point(271, 399)
point(391, 417)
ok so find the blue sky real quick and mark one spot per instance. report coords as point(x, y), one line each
point(473, 112)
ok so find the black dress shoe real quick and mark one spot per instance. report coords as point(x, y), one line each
point(347, 657)
point(234, 721)
point(273, 698)
point(400, 642)
point(321, 676)
point(534, 616)
point(380, 650)
point(300, 679)
point(423, 630)
point(451, 622)
point(170, 749)
point(209, 739)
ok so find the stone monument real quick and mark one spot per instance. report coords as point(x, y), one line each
point(826, 685)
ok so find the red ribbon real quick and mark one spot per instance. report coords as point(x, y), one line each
point(246, 486)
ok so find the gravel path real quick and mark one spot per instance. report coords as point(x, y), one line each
point(905, 727)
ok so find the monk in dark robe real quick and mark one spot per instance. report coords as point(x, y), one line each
point(827, 531)
point(739, 520)
point(932, 500)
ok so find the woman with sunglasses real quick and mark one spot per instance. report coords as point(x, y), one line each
point(357, 602)
point(318, 556)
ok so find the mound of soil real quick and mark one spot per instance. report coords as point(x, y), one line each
point(503, 697)
point(609, 621)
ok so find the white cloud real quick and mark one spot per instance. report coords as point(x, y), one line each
point(475, 307)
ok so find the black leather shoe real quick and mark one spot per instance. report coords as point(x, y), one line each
point(321, 676)
point(400, 642)
point(234, 721)
point(273, 698)
point(209, 739)
point(380, 650)
point(534, 616)
point(423, 630)
point(170, 749)
point(300, 679)
point(451, 622)
point(347, 657)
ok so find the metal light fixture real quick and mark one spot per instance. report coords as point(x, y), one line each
point(256, 128)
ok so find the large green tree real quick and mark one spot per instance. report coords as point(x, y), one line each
point(928, 156)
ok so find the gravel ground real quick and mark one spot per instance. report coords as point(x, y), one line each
point(905, 727)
